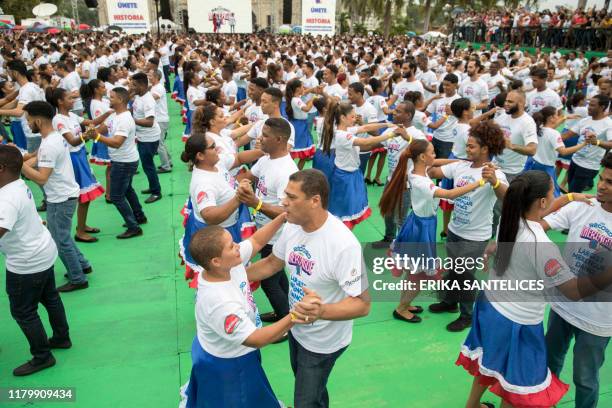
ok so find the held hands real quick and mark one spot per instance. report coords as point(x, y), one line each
point(488, 173)
point(309, 309)
point(246, 194)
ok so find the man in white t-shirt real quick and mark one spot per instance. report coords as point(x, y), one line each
point(71, 81)
point(427, 77)
point(474, 88)
point(124, 161)
point(589, 322)
point(163, 120)
point(270, 175)
point(229, 88)
point(496, 83)
point(29, 254)
point(541, 95)
point(324, 259)
point(56, 174)
point(443, 122)
point(366, 113)
point(147, 133)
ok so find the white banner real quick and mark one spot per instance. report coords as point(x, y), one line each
point(220, 16)
point(131, 15)
point(319, 17)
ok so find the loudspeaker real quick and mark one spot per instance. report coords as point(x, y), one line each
point(91, 3)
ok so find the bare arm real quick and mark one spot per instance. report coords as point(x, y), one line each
point(528, 150)
point(263, 235)
point(265, 268)
point(219, 213)
point(269, 334)
point(456, 192)
point(145, 122)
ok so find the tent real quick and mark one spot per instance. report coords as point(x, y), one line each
point(83, 26)
point(430, 35)
point(54, 30)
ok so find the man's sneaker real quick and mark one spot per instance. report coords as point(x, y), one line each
point(443, 307)
point(31, 368)
point(59, 344)
point(460, 324)
point(130, 234)
point(71, 287)
point(139, 221)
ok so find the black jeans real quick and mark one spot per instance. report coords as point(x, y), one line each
point(276, 287)
point(579, 178)
point(148, 150)
point(122, 193)
point(458, 247)
point(166, 70)
point(442, 149)
point(311, 372)
point(25, 292)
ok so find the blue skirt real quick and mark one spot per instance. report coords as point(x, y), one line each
point(19, 137)
point(283, 109)
point(348, 198)
point(241, 94)
point(571, 142)
point(99, 154)
point(89, 186)
point(510, 358)
point(324, 162)
point(187, 132)
point(178, 91)
point(304, 147)
point(228, 382)
point(550, 170)
point(240, 231)
point(417, 237)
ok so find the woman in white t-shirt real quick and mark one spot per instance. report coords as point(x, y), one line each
point(550, 144)
point(68, 125)
point(297, 113)
point(421, 121)
point(505, 349)
point(212, 195)
point(348, 198)
point(96, 91)
point(417, 236)
point(194, 97)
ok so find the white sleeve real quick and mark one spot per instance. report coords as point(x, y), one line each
point(561, 219)
point(230, 321)
point(246, 251)
point(8, 215)
point(254, 131)
point(280, 246)
point(450, 170)
point(349, 271)
point(550, 265)
point(530, 134)
point(149, 107)
point(122, 128)
point(47, 156)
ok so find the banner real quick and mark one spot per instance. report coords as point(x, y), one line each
point(131, 15)
point(220, 16)
point(319, 17)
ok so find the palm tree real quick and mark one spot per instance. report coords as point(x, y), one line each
point(357, 9)
point(385, 9)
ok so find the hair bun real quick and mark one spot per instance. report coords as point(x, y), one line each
point(185, 157)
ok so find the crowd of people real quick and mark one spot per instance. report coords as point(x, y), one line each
point(479, 137)
point(562, 27)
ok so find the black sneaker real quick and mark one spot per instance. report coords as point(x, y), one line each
point(130, 234)
point(460, 324)
point(442, 307)
point(31, 368)
point(383, 243)
point(153, 198)
point(71, 287)
point(86, 271)
point(60, 344)
point(163, 171)
point(269, 317)
point(140, 221)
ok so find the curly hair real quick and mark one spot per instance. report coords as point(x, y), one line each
point(489, 134)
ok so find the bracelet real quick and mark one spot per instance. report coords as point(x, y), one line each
point(445, 117)
point(98, 137)
point(496, 185)
point(259, 205)
point(570, 197)
point(82, 140)
point(410, 141)
point(481, 182)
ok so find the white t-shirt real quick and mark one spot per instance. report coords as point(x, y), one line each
point(99, 108)
point(123, 125)
point(521, 131)
point(27, 244)
point(69, 124)
point(443, 133)
point(590, 233)
point(212, 189)
point(328, 261)
point(296, 105)
point(30, 92)
point(230, 90)
point(460, 136)
point(430, 79)
point(194, 94)
point(368, 114)
point(308, 83)
point(534, 257)
point(538, 100)
point(590, 156)
point(422, 190)
point(421, 121)
point(255, 131)
point(226, 313)
point(72, 82)
point(144, 107)
point(347, 155)
point(404, 86)
point(492, 82)
point(161, 103)
point(272, 179)
point(473, 212)
point(396, 145)
point(550, 141)
point(380, 104)
point(476, 91)
point(334, 90)
point(53, 153)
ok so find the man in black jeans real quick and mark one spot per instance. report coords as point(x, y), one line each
point(30, 254)
point(271, 174)
point(124, 162)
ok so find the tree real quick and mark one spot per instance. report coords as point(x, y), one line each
point(357, 9)
point(385, 8)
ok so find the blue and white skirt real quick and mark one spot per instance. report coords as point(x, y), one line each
point(227, 382)
point(417, 238)
point(187, 132)
point(89, 186)
point(550, 170)
point(304, 147)
point(509, 358)
point(324, 162)
point(99, 154)
point(348, 198)
point(19, 137)
point(178, 91)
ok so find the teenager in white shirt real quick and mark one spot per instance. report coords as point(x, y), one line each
point(541, 96)
point(163, 120)
point(441, 122)
point(71, 81)
point(474, 88)
point(55, 173)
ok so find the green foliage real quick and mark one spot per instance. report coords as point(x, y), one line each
point(360, 29)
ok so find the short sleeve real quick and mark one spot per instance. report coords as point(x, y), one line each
point(60, 125)
point(280, 246)
point(449, 170)
point(149, 107)
point(372, 116)
point(254, 131)
point(431, 108)
point(561, 219)
point(530, 134)
point(8, 215)
point(246, 251)
point(576, 128)
point(230, 321)
point(256, 169)
point(121, 128)
point(205, 197)
point(226, 161)
point(350, 272)
point(550, 266)
point(345, 139)
point(47, 156)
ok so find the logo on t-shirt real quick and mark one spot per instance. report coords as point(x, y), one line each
point(552, 267)
point(60, 126)
point(201, 196)
point(597, 233)
point(302, 260)
point(231, 322)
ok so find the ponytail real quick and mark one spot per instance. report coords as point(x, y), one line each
point(335, 110)
point(289, 93)
point(87, 90)
point(541, 117)
point(54, 95)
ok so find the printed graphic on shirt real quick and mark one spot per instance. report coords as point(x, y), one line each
point(231, 323)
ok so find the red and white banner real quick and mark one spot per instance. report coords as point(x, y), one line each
point(131, 15)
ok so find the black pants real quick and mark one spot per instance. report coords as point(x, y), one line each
point(25, 292)
point(580, 179)
point(276, 287)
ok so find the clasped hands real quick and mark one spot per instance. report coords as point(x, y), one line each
point(309, 309)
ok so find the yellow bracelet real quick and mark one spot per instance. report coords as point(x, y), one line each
point(410, 141)
point(496, 185)
point(98, 137)
point(259, 205)
point(82, 140)
point(570, 197)
point(481, 182)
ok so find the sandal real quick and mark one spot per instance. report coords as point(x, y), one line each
point(368, 181)
point(92, 230)
point(87, 241)
point(416, 310)
point(378, 183)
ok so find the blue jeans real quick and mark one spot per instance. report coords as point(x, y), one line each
point(311, 372)
point(122, 193)
point(589, 356)
point(59, 223)
point(148, 150)
point(25, 292)
point(166, 70)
